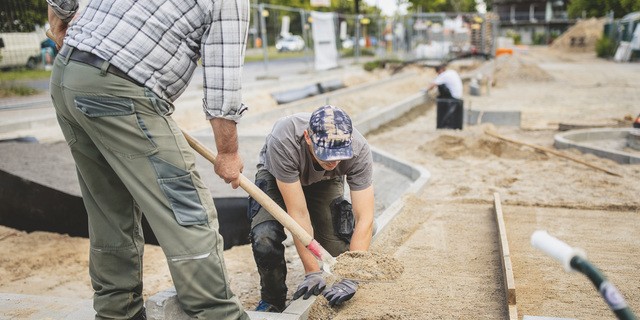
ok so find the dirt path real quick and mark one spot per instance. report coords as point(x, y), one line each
point(452, 269)
point(446, 238)
point(611, 241)
point(570, 200)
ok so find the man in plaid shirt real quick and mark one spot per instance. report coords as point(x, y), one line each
point(120, 67)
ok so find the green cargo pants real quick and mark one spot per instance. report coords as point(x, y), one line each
point(131, 159)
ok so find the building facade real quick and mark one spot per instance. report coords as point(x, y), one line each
point(535, 21)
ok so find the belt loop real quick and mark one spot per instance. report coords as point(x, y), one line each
point(103, 70)
point(66, 59)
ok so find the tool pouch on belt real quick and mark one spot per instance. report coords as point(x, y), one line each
point(254, 206)
point(343, 219)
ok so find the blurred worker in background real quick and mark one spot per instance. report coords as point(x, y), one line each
point(49, 51)
point(302, 167)
point(448, 82)
point(114, 81)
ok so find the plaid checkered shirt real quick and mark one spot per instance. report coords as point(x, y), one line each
point(159, 42)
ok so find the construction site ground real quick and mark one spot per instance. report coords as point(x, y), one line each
point(447, 236)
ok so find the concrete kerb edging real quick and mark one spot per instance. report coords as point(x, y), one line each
point(32, 122)
point(24, 306)
point(573, 139)
point(316, 101)
point(498, 118)
point(369, 121)
point(418, 174)
point(164, 305)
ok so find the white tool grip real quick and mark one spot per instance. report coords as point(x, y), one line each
point(555, 248)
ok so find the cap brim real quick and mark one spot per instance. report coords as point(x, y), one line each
point(334, 154)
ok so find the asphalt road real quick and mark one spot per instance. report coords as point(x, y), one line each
point(253, 71)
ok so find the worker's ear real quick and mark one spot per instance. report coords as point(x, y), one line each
point(307, 138)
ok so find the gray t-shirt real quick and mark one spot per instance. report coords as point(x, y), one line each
point(287, 157)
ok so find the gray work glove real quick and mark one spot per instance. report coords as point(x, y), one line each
point(341, 292)
point(313, 283)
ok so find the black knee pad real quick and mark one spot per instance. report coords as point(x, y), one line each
point(266, 242)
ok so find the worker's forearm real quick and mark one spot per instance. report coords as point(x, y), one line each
point(309, 261)
point(226, 135)
point(361, 238)
point(363, 207)
point(228, 163)
point(296, 205)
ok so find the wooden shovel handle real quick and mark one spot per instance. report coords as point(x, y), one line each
point(276, 211)
point(50, 35)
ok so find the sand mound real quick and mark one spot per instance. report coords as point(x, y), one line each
point(512, 68)
point(367, 265)
point(321, 310)
point(581, 37)
point(449, 147)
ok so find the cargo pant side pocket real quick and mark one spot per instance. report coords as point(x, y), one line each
point(179, 186)
point(343, 219)
point(254, 206)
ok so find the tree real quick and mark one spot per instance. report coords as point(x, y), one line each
point(347, 7)
point(22, 15)
point(443, 5)
point(601, 8)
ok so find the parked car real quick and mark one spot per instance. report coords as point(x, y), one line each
point(291, 43)
point(348, 43)
point(19, 49)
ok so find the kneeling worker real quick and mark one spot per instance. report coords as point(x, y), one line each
point(302, 168)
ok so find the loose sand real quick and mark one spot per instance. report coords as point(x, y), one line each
point(367, 265)
point(446, 238)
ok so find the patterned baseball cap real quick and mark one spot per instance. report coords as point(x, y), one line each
point(330, 130)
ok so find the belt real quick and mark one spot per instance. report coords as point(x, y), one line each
point(95, 61)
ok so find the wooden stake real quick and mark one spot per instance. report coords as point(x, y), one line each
point(507, 268)
point(495, 135)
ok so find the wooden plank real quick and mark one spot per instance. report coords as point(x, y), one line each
point(507, 270)
point(513, 312)
point(547, 150)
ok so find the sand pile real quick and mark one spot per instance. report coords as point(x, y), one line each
point(367, 265)
point(512, 68)
point(581, 37)
point(449, 146)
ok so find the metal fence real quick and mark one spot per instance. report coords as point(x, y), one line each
point(22, 34)
point(441, 36)
point(620, 33)
point(278, 30)
point(435, 36)
point(25, 50)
